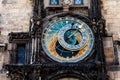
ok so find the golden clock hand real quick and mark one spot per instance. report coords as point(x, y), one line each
point(76, 30)
point(81, 25)
point(72, 34)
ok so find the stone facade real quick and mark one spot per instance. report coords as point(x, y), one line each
point(15, 16)
point(111, 13)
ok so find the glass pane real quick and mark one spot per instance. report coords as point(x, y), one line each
point(21, 54)
point(54, 2)
point(78, 2)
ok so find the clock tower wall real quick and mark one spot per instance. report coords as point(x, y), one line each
point(20, 23)
point(111, 13)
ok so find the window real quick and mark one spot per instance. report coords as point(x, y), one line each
point(2, 48)
point(21, 54)
point(78, 2)
point(54, 2)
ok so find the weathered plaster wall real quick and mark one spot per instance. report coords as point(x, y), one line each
point(14, 17)
point(111, 13)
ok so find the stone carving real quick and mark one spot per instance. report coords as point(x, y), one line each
point(66, 2)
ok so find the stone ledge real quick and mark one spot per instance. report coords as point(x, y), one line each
point(2, 45)
point(3, 77)
point(117, 78)
point(114, 68)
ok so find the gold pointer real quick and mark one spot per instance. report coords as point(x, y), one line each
point(76, 30)
point(80, 26)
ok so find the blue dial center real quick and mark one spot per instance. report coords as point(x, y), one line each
point(70, 37)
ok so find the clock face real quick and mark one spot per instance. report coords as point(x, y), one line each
point(67, 39)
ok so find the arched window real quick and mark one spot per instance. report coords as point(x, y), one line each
point(78, 2)
point(54, 2)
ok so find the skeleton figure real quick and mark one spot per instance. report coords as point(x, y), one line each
point(67, 2)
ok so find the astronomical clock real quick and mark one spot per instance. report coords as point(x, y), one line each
point(64, 42)
point(67, 39)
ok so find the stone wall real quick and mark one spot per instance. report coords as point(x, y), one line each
point(111, 13)
point(14, 17)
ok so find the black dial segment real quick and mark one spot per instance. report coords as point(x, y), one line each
point(64, 52)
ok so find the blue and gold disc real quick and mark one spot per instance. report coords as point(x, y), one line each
point(67, 39)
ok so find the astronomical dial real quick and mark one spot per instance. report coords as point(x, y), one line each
point(72, 37)
point(67, 39)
